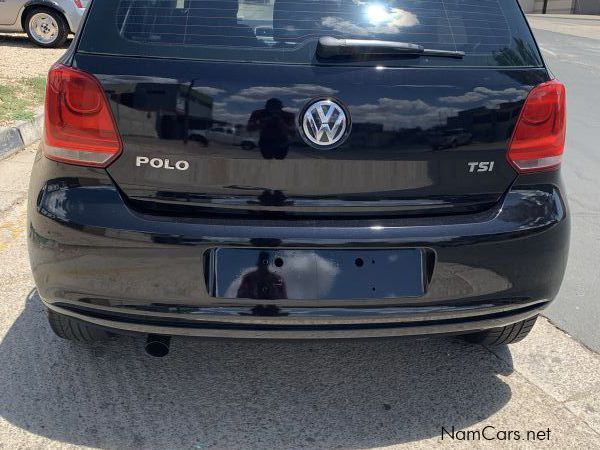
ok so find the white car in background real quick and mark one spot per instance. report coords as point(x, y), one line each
point(225, 134)
point(46, 22)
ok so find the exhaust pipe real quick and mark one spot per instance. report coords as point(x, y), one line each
point(158, 345)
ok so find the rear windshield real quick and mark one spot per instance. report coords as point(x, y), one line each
point(490, 32)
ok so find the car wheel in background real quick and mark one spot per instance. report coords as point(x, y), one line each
point(46, 27)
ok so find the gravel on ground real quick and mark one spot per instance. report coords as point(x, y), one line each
point(19, 58)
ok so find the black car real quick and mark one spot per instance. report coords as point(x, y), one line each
point(342, 220)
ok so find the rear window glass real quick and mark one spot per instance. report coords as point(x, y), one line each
point(490, 32)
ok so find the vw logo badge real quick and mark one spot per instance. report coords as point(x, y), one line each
point(325, 124)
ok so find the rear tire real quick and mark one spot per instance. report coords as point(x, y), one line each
point(46, 27)
point(73, 330)
point(509, 334)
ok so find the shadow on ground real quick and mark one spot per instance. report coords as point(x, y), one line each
point(21, 40)
point(240, 394)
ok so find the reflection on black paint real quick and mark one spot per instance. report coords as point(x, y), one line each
point(276, 128)
point(411, 140)
point(274, 198)
point(163, 110)
point(266, 311)
point(262, 284)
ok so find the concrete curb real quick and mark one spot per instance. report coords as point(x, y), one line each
point(565, 16)
point(21, 135)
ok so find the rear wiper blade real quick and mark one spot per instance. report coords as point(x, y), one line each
point(330, 47)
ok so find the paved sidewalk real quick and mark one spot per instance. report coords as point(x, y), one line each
point(581, 26)
point(230, 394)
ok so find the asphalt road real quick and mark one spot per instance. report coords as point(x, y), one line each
point(576, 61)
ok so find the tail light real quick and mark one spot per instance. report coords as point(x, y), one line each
point(79, 126)
point(538, 141)
point(78, 4)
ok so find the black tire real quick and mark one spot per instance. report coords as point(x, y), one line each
point(63, 27)
point(73, 330)
point(509, 334)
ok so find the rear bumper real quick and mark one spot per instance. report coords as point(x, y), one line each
point(97, 260)
point(308, 323)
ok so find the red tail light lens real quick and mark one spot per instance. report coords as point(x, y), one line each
point(538, 141)
point(79, 127)
point(78, 4)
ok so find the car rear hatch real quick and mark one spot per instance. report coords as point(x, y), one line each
point(209, 99)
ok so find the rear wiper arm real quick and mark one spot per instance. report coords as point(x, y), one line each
point(330, 47)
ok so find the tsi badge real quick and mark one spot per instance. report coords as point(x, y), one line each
point(159, 163)
point(484, 166)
